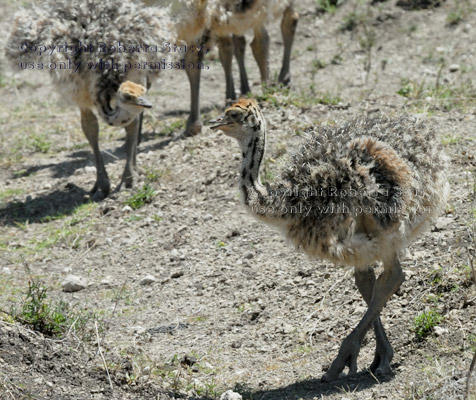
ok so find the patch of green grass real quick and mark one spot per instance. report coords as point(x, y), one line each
point(9, 193)
point(281, 97)
point(173, 127)
point(460, 11)
point(304, 349)
point(327, 6)
point(318, 64)
point(450, 140)
point(206, 389)
point(3, 81)
point(304, 99)
point(439, 96)
point(38, 143)
point(351, 22)
point(220, 244)
point(425, 323)
point(83, 212)
point(143, 196)
point(472, 342)
point(51, 319)
point(134, 218)
point(267, 174)
point(153, 174)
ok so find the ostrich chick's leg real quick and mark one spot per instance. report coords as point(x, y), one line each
point(225, 50)
point(365, 281)
point(194, 125)
point(90, 126)
point(130, 170)
point(260, 48)
point(385, 286)
point(239, 44)
point(288, 29)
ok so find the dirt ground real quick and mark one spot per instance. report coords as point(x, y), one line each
point(230, 304)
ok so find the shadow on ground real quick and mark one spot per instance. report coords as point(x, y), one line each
point(40, 209)
point(82, 158)
point(314, 388)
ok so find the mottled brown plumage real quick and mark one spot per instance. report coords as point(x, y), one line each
point(88, 37)
point(355, 194)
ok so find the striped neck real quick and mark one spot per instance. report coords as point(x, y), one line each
point(252, 190)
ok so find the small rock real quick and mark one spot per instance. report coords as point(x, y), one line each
point(67, 270)
point(233, 233)
point(439, 331)
point(442, 223)
point(174, 254)
point(6, 271)
point(177, 274)
point(210, 178)
point(73, 283)
point(126, 209)
point(454, 67)
point(89, 170)
point(107, 281)
point(139, 330)
point(231, 395)
point(147, 280)
point(249, 255)
point(188, 360)
point(207, 217)
point(236, 344)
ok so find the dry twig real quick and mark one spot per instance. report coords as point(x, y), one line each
point(102, 356)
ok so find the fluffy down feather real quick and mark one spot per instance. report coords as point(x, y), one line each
point(89, 22)
point(357, 192)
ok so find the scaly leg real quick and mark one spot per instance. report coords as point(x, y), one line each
point(385, 286)
point(139, 135)
point(260, 48)
point(239, 44)
point(225, 51)
point(288, 29)
point(89, 123)
point(365, 281)
point(130, 170)
point(194, 125)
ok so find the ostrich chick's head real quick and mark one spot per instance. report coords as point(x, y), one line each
point(130, 97)
point(242, 121)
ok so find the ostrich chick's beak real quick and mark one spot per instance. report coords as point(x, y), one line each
point(141, 101)
point(218, 123)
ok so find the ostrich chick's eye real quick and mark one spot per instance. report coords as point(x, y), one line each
point(234, 115)
point(127, 96)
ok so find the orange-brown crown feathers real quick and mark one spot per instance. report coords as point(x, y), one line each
point(132, 89)
point(243, 103)
point(240, 119)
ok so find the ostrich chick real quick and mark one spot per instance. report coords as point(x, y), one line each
point(354, 194)
point(100, 54)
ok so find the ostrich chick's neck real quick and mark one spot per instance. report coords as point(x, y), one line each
point(253, 148)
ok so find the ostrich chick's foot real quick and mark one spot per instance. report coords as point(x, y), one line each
point(348, 353)
point(192, 128)
point(381, 363)
point(99, 192)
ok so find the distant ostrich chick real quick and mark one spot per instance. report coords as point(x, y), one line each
point(355, 194)
point(99, 56)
